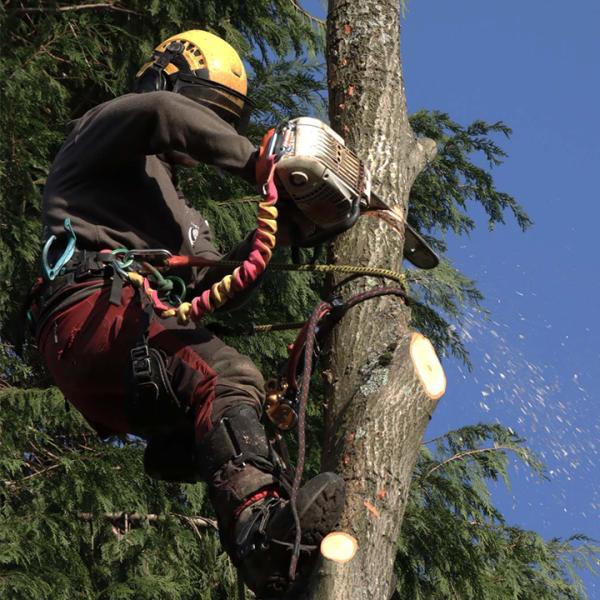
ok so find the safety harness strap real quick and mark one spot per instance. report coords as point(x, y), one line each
point(152, 401)
point(82, 275)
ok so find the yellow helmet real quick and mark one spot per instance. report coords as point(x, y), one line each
point(201, 66)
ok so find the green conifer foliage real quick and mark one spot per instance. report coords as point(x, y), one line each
point(79, 519)
point(439, 202)
point(456, 544)
point(440, 195)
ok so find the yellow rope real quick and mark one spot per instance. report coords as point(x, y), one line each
point(349, 269)
point(319, 268)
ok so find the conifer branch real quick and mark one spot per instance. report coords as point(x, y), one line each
point(77, 7)
point(253, 199)
point(316, 20)
point(196, 522)
point(40, 456)
point(36, 473)
point(41, 50)
point(461, 455)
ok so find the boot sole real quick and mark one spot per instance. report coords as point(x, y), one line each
point(320, 503)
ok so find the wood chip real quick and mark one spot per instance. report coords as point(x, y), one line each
point(371, 508)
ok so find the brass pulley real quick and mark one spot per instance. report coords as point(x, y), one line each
point(278, 406)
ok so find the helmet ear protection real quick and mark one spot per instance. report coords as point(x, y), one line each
point(154, 78)
point(202, 67)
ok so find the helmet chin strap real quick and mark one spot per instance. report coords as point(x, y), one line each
point(164, 58)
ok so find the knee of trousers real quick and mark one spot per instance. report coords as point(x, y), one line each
point(238, 381)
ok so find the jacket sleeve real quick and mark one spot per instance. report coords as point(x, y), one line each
point(135, 125)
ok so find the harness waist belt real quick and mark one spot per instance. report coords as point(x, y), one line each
point(84, 266)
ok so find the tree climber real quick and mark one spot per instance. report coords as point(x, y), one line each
point(114, 182)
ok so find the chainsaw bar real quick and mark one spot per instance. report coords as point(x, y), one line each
point(416, 250)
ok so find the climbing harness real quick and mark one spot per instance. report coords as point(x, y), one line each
point(153, 407)
point(78, 277)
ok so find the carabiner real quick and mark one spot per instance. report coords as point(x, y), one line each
point(49, 273)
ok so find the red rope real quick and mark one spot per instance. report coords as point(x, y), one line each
point(310, 334)
point(306, 339)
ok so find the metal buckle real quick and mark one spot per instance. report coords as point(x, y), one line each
point(140, 362)
point(149, 252)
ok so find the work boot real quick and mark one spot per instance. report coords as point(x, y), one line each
point(265, 533)
point(250, 494)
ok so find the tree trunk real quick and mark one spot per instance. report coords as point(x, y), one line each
point(377, 407)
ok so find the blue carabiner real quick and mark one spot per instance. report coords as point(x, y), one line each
point(49, 272)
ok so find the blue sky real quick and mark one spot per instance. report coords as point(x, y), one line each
point(531, 65)
point(534, 65)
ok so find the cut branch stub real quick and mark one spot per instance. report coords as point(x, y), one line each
point(427, 366)
point(339, 547)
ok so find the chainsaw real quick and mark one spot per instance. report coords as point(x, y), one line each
point(331, 186)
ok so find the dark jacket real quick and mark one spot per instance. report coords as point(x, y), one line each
point(108, 179)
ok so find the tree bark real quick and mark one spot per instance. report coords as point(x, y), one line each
point(377, 407)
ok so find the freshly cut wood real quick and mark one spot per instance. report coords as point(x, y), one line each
point(427, 366)
point(339, 547)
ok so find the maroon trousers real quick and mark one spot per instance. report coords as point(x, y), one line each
point(86, 347)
